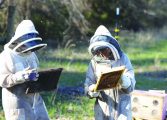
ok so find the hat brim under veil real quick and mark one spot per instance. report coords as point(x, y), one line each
point(32, 45)
point(28, 42)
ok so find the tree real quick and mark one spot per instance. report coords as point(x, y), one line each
point(68, 22)
point(10, 19)
point(2, 19)
point(63, 21)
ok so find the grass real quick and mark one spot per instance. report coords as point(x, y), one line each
point(146, 50)
point(73, 108)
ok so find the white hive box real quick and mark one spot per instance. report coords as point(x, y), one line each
point(149, 105)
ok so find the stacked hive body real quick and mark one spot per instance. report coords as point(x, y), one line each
point(149, 105)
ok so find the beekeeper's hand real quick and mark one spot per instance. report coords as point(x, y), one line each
point(26, 75)
point(91, 91)
point(32, 75)
point(125, 81)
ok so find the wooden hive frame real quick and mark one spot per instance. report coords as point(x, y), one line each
point(109, 79)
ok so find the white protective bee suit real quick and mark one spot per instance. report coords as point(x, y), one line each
point(19, 64)
point(112, 104)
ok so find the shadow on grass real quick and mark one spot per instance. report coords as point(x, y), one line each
point(148, 62)
point(156, 75)
point(156, 80)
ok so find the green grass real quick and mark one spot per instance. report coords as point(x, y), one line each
point(75, 108)
point(147, 52)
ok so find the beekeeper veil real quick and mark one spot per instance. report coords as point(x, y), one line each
point(103, 39)
point(26, 38)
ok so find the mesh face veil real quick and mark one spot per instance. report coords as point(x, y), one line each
point(101, 42)
point(28, 42)
point(103, 55)
point(26, 38)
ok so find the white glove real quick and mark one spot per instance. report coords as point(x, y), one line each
point(26, 75)
point(91, 91)
point(125, 81)
point(92, 87)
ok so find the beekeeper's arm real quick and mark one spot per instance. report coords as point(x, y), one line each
point(9, 79)
point(90, 82)
point(127, 80)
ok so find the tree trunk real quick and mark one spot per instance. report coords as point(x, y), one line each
point(10, 19)
point(28, 11)
point(1, 2)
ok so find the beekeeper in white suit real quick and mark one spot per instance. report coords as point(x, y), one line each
point(19, 64)
point(112, 104)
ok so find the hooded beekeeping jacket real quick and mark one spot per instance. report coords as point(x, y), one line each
point(16, 103)
point(115, 103)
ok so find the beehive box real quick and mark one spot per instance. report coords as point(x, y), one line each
point(149, 105)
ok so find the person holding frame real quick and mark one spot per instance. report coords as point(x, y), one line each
point(114, 103)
